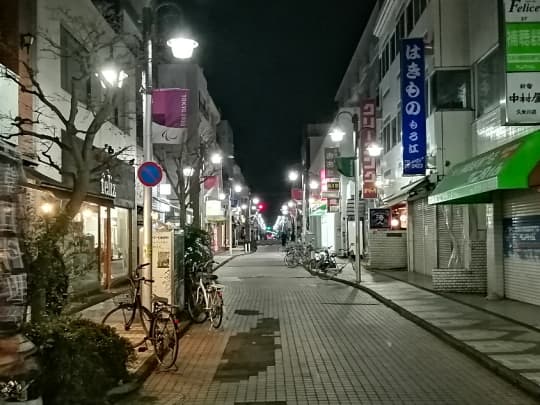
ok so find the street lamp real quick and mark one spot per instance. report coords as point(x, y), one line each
point(357, 146)
point(238, 188)
point(244, 206)
point(188, 171)
point(111, 76)
point(293, 175)
point(337, 135)
point(182, 47)
point(374, 150)
point(313, 184)
point(216, 158)
point(256, 200)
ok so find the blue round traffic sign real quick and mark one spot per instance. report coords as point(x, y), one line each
point(150, 174)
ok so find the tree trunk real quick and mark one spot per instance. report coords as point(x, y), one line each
point(194, 196)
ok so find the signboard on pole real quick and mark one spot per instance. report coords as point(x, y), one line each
point(413, 108)
point(368, 135)
point(330, 155)
point(332, 186)
point(333, 204)
point(150, 174)
point(162, 264)
point(522, 56)
point(169, 115)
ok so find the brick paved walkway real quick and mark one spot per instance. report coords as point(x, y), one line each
point(291, 338)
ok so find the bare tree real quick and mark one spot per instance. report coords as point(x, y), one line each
point(83, 48)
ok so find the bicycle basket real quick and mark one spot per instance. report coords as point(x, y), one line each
point(123, 298)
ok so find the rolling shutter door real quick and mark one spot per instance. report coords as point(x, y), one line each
point(418, 236)
point(430, 235)
point(522, 269)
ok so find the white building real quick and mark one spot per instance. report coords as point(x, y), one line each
point(465, 221)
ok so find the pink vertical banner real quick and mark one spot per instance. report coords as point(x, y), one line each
point(369, 135)
point(169, 115)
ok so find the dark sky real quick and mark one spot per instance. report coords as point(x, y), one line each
point(272, 67)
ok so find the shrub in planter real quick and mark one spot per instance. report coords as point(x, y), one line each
point(80, 360)
point(197, 246)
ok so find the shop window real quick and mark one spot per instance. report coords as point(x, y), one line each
point(450, 89)
point(489, 82)
point(81, 248)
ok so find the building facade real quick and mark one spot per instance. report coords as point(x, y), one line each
point(465, 233)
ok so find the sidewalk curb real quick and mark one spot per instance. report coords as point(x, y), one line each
point(513, 377)
point(142, 373)
point(227, 260)
point(444, 295)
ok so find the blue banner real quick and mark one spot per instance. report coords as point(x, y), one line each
point(413, 108)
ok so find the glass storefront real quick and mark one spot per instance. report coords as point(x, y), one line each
point(114, 243)
point(83, 247)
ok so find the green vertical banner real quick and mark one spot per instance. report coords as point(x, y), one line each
point(522, 61)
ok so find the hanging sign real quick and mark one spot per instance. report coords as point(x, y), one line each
point(413, 109)
point(368, 135)
point(169, 115)
point(379, 218)
point(330, 155)
point(521, 28)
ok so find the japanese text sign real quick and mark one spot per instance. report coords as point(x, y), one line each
point(368, 135)
point(522, 38)
point(330, 155)
point(413, 109)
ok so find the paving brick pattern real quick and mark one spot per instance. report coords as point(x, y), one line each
point(333, 344)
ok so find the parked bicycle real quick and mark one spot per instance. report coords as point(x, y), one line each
point(205, 298)
point(297, 253)
point(159, 326)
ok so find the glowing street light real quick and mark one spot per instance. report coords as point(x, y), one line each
point(111, 76)
point(222, 196)
point(293, 175)
point(314, 184)
point(182, 48)
point(244, 207)
point(237, 188)
point(374, 150)
point(256, 200)
point(290, 204)
point(337, 135)
point(188, 171)
point(216, 158)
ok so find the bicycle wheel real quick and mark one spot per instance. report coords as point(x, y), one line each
point(196, 306)
point(164, 338)
point(291, 260)
point(121, 320)
point(216, 309)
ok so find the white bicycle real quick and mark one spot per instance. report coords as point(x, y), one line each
point(206, 300)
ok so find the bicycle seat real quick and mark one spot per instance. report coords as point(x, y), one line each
point(161, 300)
point(212, 277)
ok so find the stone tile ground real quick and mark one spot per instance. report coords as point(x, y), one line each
point(290, 338)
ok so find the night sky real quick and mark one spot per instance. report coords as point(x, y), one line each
point(273, 67)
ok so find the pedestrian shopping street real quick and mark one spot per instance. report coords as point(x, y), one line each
point(289, 337)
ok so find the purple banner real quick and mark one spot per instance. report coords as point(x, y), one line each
point(169, 115)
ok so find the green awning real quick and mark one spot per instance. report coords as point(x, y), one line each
point(511, 166)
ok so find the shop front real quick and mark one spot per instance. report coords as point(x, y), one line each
point(498, 193)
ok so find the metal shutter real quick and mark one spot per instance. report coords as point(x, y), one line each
point(444, 235)
point(430, 237)
point(521, 274)
point(418, 236)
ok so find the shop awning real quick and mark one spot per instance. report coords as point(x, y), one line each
point(403, 193)
point(511, 166)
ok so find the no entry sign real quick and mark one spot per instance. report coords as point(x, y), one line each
point(150, 174)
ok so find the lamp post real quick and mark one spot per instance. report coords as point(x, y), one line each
point(337, 136)
point(182, 48)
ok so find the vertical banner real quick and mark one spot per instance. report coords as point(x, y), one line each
point(413, 109)
point(169, 115)
point(330, 155)
point(368, 136)
point(522, 56)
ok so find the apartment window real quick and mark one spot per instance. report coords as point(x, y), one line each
point(393, 51)
point(71, 72)
point(410, 18)
point(450, 89)
point(489, 81)
point(394, 131)
point(401, 28)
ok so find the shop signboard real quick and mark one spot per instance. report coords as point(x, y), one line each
point(332, 186)
point(330, 155)
point(379, 218)
point(333, 204)
point(368, 135)
point(169, 116)
point(522, 57)
point(413, 110)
